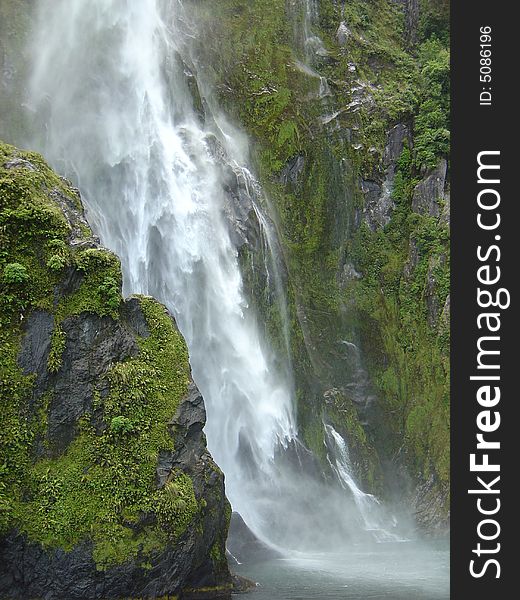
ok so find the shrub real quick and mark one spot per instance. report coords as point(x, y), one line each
point(15, 273)
point(109, 292)
point(121, 424)
point(56, 262)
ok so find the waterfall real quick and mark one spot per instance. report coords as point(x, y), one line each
point(373, 514)
point(111, 90)
point(119, 106)
point(312, 44)
point(308, 46)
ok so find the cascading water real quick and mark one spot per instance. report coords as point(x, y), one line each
point(110, 84)
point(374, 518)
point(166, 181)
point(166, 188)
point(308, 46)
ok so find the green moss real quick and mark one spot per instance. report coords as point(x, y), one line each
point(121, 425)
point(261, 85)
point(215, 589)
point(432, 121)
point(105, 480)
point(15, 273)
point(175, 504)
point(57, 347)
point(99, 292)
point(216, 553)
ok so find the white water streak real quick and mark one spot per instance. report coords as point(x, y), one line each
point(369, 506)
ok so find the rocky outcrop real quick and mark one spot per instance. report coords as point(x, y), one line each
point(343, 33)
point(412, 12)
point(31, 571)
point(340, 169)
point(292, 172)
point(429, 507)
point(93, 344)
point(243, 545)
point(433, 305)
point(107, 489)
point(429, 192)
point(378, 204)
point(239, 190)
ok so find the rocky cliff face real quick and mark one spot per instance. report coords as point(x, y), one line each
point(351, 140)
point(107, 489)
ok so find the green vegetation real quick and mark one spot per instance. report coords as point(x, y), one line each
point(408, 354)
point(431, 126)
point(254, 59)
point(381, 74)
point(15, 273)
point(101, 486)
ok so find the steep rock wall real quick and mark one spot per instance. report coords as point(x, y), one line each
point(107, 489)
point(351, 140)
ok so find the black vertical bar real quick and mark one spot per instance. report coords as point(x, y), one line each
point(477, 128)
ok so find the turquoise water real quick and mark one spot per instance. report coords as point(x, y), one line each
point(400, 571)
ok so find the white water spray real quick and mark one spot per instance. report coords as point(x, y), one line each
point(309, 46)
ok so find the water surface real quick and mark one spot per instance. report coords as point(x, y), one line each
point(400, 571)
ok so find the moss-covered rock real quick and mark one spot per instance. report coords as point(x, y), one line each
point(106, 486)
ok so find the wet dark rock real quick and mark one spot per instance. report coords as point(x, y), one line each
point(242, 585)
point(343, 33)
point(30, 571)
point(240, 214)
point(429, 193)
point(378, 206)
point(186, 426)
point(291, 173)
point(445, 212)
point(413, 259)
point(429, 507)
point(300, 460)
point(412, 14)
point(192, 565)
point(35, 348)
point(244, 546)
point(92, 345)
point(69, 284)
point(432, 299)
point(72, 208)
point(396, 138)
point(193, 87)
point(133, 316)
point(239, 189)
